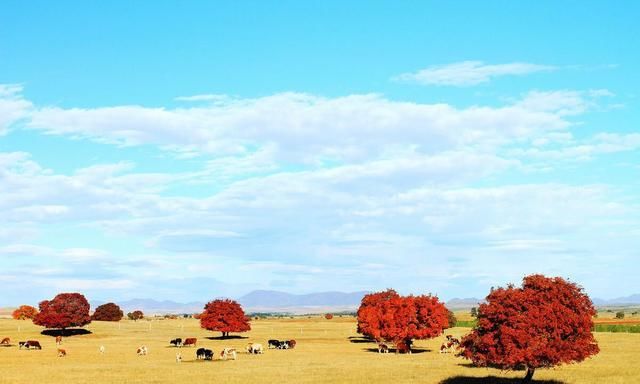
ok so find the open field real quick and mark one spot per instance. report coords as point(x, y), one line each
point(325, 353)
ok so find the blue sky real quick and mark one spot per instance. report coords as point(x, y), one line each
point(190, 150)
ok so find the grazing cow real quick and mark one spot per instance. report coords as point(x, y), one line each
point(228, 353)
point(190, 342)
point(32, 344)
point(292, 344)
point(142, 350)
point(62, 352)
point(58, 340)
point(5, 341)
point(101, 349)
point(273, 343)
point(450, 345)
point(176, 342)
point(403, 347)
point(383, 348)
point(178, 357)
point(255, 348)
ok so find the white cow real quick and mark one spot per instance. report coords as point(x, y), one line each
point(142, 350)
point(101, 349)
point(255, 348)
point(178, 357)
point(228, 353)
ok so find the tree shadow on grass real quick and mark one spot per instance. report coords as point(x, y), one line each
point(358, 339)
point(65, 332)
point(231, 337)
point(392, 351)
point(493, 380)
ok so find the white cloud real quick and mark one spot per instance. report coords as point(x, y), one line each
point(13, 106)
point(468, 73)
point(314, 129)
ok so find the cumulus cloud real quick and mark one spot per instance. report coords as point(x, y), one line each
point(469, 73)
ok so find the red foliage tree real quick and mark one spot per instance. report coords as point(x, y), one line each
point(544, 323)
point(135, 315)
point(24, 312)
point(451, 319)
point(328, 316)
point(108, 312)
point(64, 311)
point(224, 316)
point(389, 316)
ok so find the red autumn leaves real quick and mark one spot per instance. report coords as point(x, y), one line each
point(224, 316)
point(389, 316)
point(544, 323)
point(64, 311)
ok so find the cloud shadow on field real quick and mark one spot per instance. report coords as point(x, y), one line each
point(493, 380)
point(65, 332)
point(232, 337)
point(392, 351)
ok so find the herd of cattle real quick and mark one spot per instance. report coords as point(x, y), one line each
point(450, 345)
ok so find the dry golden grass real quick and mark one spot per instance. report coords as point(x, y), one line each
point(324, 353)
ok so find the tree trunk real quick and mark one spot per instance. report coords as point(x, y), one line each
point(529, 376)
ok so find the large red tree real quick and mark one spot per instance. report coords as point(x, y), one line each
point(24, 312)
point(544, 323)
point(108, 312)
point(401, 319)
point(64, 311)
point(224, 316)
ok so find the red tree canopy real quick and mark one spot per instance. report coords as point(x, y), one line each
point(544, 323)
point(328, 316)
point(224, 316)
point(24, 312)
point(389, 316)
point(135, 315)
point(64, 311)
point(108, 312)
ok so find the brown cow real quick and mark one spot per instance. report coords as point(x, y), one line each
point(58, 340)
point(32, 344)
point(62, 352)
point(383, 348)
point(403, 347)
point(292, 344)
point(5, 341)
point(190, 342)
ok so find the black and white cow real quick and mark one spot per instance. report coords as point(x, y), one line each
point(176, 342)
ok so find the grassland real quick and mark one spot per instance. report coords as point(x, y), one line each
point(328, 351)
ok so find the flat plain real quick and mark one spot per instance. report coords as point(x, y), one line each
point(327, 351)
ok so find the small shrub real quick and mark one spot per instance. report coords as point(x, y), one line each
point(620, 315)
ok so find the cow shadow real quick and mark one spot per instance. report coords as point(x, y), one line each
point(493, 380)
point(231, 337)
point(65, 332)
point(6, 345)
point(393, 350)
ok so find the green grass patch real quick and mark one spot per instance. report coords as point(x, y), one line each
point(617, 328)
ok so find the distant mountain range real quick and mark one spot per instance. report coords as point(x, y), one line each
point(321, 302)
point(620, 301)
